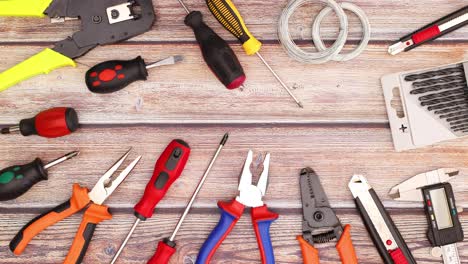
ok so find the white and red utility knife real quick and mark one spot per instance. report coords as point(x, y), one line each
point(432, 31)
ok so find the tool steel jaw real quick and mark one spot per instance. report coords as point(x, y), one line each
point(251, 195)
point(320, 223)
point(106, 185)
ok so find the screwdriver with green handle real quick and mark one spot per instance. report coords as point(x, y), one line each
point(18, 179)
point(228, 15)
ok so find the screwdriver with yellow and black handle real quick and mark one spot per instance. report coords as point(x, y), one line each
point(18, 179)
point(228, 15)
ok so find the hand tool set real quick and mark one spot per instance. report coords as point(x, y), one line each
point(94, 213)
point(320, 223)
point(216, 52)
point(167, 170)
point(249, 196)
point(112, 76)
point(102, 22)
point(432, 31)
point(424, 107)
point(51, 123)
point(444, 227)
point(166, 248)
point(227, 14)
point(385, 235)
point(434, 105)
point(18, 179)
point(324, 54)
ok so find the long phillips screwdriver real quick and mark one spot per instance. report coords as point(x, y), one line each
point(18, 179)
point(166, 248)
point(228, 15)
point(216, 52)
point(168, 168)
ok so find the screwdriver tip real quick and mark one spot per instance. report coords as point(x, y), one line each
point(225, 138)
point(300, 105)
point(72, 154)
point(178, 58)
point(5, 130)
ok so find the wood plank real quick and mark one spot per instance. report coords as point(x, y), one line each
point(389, 21)
point(240, 246)
point(340, 92)
point(335, 152)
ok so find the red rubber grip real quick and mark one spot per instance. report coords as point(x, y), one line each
point(426, 34)
point(168, 168)
point(52, 123)
point(398, 256)
point(163, 254)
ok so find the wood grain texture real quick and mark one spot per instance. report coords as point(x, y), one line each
point(343, 130)
point(239, 247)
point(189, 93)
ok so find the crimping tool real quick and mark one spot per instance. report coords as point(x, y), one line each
point(102, 22)
point(320, 224)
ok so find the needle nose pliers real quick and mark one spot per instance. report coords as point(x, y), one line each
point(95, 213)
point(320, 224)
point(249, 196)
point(102, 22)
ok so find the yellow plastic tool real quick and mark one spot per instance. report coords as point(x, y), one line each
point(24, 8)
point(228, 15)
point(41, 63)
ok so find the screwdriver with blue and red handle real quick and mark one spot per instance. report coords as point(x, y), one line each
point(168, 168)
point(51, 123)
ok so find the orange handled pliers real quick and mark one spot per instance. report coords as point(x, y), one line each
point(94, 214)
point(320, 224)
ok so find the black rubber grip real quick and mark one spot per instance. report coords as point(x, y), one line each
point(112, 76)
point(217, 54)
point(87, 236)
point(18, 179)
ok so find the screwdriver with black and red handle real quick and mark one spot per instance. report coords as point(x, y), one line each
point(217, 53)
point(18, 179)
point(114, 75)
point(168, 168)
point(51, 123)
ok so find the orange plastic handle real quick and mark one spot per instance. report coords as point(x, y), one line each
point(310, 255)
point(94, 215)
point(78, 201)
point(345, 247)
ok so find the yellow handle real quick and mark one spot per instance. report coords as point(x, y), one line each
point(41, 63)
point(227, 14)
point(22, 8)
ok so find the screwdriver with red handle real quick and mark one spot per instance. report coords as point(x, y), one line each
point(168, 168)
point(51, 123)
point(216, 52)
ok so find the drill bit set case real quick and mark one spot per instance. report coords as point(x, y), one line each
point(427, 106)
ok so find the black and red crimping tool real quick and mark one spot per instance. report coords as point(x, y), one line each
point(102, 22)
point(432, 31)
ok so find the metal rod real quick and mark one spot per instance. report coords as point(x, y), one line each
point(279, 80)
point(200, 184)
point(124, 243)
point(61, 159)
point(184, 6)
point(8, 130)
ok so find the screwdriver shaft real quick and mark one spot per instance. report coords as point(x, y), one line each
point(200, 184)
point(279, 80)
point(184, 6)
point(61, 159)
point(124, 243)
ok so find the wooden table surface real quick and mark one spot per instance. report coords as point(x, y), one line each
point(342, 130)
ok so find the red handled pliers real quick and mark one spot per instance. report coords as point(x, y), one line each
point(251, 196)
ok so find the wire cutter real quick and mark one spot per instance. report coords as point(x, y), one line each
point(320, 224)
point(102, 22)
point(249, 196)
point(95, 213)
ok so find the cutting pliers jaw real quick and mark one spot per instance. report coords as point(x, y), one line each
point(106, 185)
point(251, 195)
